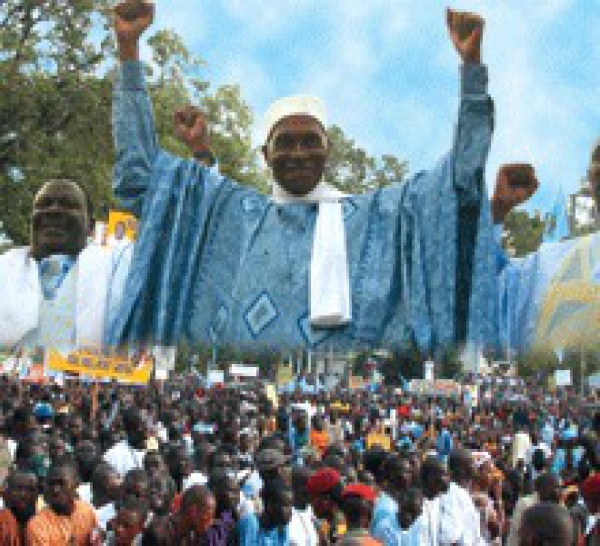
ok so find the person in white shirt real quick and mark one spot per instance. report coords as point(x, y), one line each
point(460, 522)
point(59, 291)
point(435, 483)
point(106, 485)
point(520, 446)
point(129, 453)
point(302, 529)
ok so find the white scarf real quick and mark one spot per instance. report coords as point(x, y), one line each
point(330, 304)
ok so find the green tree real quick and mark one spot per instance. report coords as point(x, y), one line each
point(55, 113)
point(352, 170)
point(524, 233)
point(55, 110)
point(176, 80)
point(47, 62)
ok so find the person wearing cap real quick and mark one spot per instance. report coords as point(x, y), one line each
point(44, 413)
point(216, 261)
point(272, 464)
point(358, 500)
point(325, 490)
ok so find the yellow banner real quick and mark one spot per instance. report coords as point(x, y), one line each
point(102, 365)
point(121, 226)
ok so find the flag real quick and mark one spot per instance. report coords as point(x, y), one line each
point(557, 222)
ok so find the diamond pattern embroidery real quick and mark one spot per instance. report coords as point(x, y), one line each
point(260, 314)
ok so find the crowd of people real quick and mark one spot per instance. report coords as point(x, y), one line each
point(179, 463)
point(415, 265)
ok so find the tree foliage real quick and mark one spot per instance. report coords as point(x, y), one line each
point(47, 83)
point(55, 111)
point(352, 170)
point(524, 232)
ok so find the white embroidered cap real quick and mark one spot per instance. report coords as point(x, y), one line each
point(295, 105)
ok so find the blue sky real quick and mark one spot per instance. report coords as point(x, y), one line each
point(389, 74)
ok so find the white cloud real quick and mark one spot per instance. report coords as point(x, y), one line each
point(355, 55)
point(263, 20)
point(189, 18)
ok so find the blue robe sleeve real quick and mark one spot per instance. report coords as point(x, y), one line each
point(473, 134)
point(447, 233)
point(476, 289)
point(174, 199)
point(135, 140)
point(520, 283)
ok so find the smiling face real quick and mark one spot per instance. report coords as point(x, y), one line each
point(296, 151)
point(61, 488)
point(59, 220)
point(21, 494)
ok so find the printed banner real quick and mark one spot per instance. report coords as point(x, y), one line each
point(122, 227)
point(216, 376)
point(562, 378)
point(438, 387)
point(98, 364)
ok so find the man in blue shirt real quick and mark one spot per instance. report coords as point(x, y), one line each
point(221, 263)
point(271, 528)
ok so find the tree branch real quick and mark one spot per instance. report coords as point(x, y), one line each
point(29, 23)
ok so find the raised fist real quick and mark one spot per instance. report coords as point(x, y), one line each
point(466, 31)
point(191, 128)
point(515, 184)
point(131, 19)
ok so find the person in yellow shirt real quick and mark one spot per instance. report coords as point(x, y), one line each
point(378, 437)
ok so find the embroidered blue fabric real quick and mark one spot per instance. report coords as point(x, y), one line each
point(218, 262)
